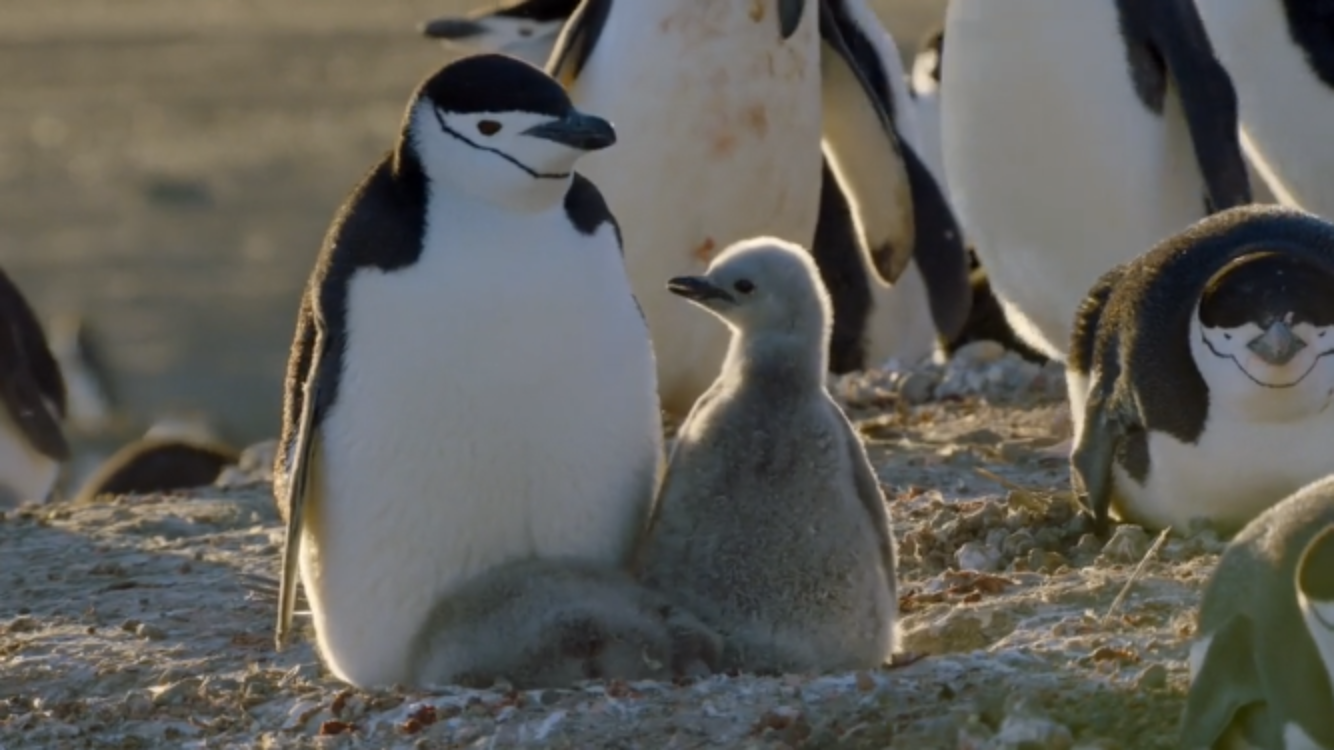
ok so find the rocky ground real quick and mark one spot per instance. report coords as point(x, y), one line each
point(140, 623)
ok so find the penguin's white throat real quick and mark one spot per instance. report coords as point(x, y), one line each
point(1282, 373)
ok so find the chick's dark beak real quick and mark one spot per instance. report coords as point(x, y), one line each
point(576, 130)
point(451, 28)
point(1277, 345)
point(789, 16)
point(697, 289)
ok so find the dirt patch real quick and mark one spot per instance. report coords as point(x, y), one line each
point(137, 623)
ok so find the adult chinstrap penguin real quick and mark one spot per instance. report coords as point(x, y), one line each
point(32, 440)
point(736, 109)
point(471, 381)
point(1199, 374)
point(527, 29)
point(1066, 151)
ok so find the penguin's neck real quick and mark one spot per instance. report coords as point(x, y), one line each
point(777, 361)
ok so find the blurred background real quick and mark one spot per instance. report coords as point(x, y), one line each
point(168, 169)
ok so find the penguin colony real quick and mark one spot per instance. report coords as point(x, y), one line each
point(704, 209)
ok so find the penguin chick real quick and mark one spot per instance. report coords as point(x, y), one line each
point(1199, 379)
point(549, 623)
point(1258, 678)
point(158, 464)
point(770, 525)
point(32, 441)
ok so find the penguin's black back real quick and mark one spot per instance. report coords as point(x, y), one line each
point(30, 374)
point(158, 465)
point(1135, 324)
point(1311, 26)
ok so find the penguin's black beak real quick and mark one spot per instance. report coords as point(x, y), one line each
point(698, 289)
point(789, 16)
point(451, 28)
point(576, 130)
point(1277, 345)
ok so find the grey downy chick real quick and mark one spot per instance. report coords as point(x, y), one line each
point(549, 623)
point(1262, 662)
point(770, 525)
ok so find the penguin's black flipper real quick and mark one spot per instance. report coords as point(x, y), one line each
point(30, 377)
point(577, 40)
point(1226, 690)
point(862, 144)
point(1175, 33)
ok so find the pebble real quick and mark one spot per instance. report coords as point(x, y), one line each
point(979, 368)
point(1152, 677)
point(1129, 544)
point(977, 556)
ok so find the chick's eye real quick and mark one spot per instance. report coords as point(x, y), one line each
point(744, 286)
point(488, 127)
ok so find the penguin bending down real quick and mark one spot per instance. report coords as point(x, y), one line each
point(782, 543)
point(32, 440)
point(1280, 54)
point(159, 463)
point(1066, 150)
point(1262, 663)
point(527, 29)
point(471, 381)
point(1199, 375)
point(724, 108)
point(550, 623)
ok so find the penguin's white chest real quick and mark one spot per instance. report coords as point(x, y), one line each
point(497, 401)
point(1236, 470)
point(1285, 107)
point(1056, 169)
point(25, 474)
point(719, 126)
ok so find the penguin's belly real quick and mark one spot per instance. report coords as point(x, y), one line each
point(25, 474)
point(1057, 170)
point(900, 326)
point(497, 402)
point(1285, 107)
point(1236, 471)
point(719, 142)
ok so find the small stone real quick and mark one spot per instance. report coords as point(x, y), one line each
point(978, 557)
point(976, 353)
point(1128, 544)
point(21, 625)
point(137, 704)
point(1152, 677)
point(150, 632)
point(1019, 543)
point(916, 387)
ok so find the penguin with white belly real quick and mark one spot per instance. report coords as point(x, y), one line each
point(725, 108)
point(1200, 376)
point(1280, 54)
point(527, 29)
point(471, 382)
point(1262, 660)
point(1074, 136)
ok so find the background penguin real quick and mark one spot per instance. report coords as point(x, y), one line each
point(781, 543)
point(32, 441)
point(924, 89)
point(1198, 376)
point(1280, 54)
point(1257, 677)
point(527, 29)
point(175, 453)
point(90, 398)
point(1067, 152)
point(551, 623)
point(720, 106)
point(420, 444)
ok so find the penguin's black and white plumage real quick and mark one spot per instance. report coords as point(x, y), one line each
point(924, 88)
point(32, 439)
point(1075, 136)
point(1280, 54)
point(1199, 375)
point(1262, 661)
point(727, 106)
point(471, 381)
point(527, 29)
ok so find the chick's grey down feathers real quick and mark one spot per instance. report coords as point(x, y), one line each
point(770, 525)
point(548, 623)
point(1262, 669)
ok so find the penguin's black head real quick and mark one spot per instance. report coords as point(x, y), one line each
point(1266, 321)
point(501, 129)
point(527, 29)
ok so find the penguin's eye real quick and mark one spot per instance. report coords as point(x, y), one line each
point(1227, 336)
point(488, 127)
point(744, 286)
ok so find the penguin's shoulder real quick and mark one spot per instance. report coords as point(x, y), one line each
point(382, 223)
point(587, 209)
